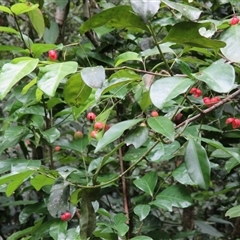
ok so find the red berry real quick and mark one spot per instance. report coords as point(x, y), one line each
point(68, 215)
point(78, 135)
point(234, 20)
point(52, 54)
point(178, 117)
point(91, 116)
point(63, 217)
point(198, 93)
point(236, 123)
point(229, 120)
point(98, 125)
point(107, 126)
point(207, 101)
point(57, 148)
point(193, 90)
point(215, 100)
point(154, 113)
point(93, 134)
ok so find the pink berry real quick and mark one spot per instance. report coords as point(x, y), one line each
point(93, 134)
point(229, 120)
point(154, 114)
point(98, 125)
point(91, 116)
point(52, 54)
point(234, 20)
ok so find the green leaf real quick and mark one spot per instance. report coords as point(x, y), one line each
point(37, 21)
point(141, 238)
point(8, 30)
point(145, 9)
point(58, 230)
point(219, 76)
point(163, 126)
point(58, 200)
point(184, 67)
point(206, 228)
point(173, 86)
point(5, 9)
point(173, 196)
point(163, 152)
point(17, 180)
point(115, 132)
point(88, 217)
point(127, 56)
point(116, 17)
point(93, 76)
point(231, 38)
point(147, 183)
point(51, 34)
point(142, 211)
point(12, 49)
point(137, 137)
point(51, 75)
point(190, 12)
point(76, 92)
point(233, 212)
point(187, 33)
point(20, 8)
point(197, 164)
point(230, 164)
point(120, 224)
point(40, 181)
point(51, 135)
point(73, 233)
point(38, 48)
point(180, 174)
point(13, 72)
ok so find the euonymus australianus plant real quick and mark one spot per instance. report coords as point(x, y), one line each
point(131, 131)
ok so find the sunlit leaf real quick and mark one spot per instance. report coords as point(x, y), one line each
point(142, 211)
point(93, 76)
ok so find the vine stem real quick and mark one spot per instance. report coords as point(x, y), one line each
point(159, 49)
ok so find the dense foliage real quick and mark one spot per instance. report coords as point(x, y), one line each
point(120, 119)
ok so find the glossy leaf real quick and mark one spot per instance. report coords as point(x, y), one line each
point(173, 86)
point(197, 164)
point(38, 48)
point(51, 75)
point(58, 200)
point(147, 183)
point(117, 17)
point(231, 38)
point(120, 224)
point(13, 72)
point(145, 9)
point(58, 230)
point(76, 92)
point(115, 132)
point(20, 8)
point(142, 211)
point(137, 137)
point(5, 9)
point(173, 196)
point(187, 33)
point(40, 181)
point(233, 212)
point(180, 174)
point(51, 135)
point(219, 76)
point(93, 76)
point(163, 126)
point(127, 56)
point(37, 21)
point(190, 12)
point(88, 217)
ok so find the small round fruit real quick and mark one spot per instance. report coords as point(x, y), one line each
point(193, 90)
point(64, 217)
point(234, 20)
point(91, 116)
point(68, 215)
point(154, 114)
point(198, 93)
point(229, 120)
point(98, 125)
point(78, 135)
point(57, 148)
point(215, 100)
point(93, 134)
point(207, 101)
point(52, 54)
point(107, 126)
point(236, 123)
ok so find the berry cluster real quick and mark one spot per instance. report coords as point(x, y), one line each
point(234, 121)
point(98, 126)
point(234, 20)
point(66, 216)
point(211, 101)
point(196, 92)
